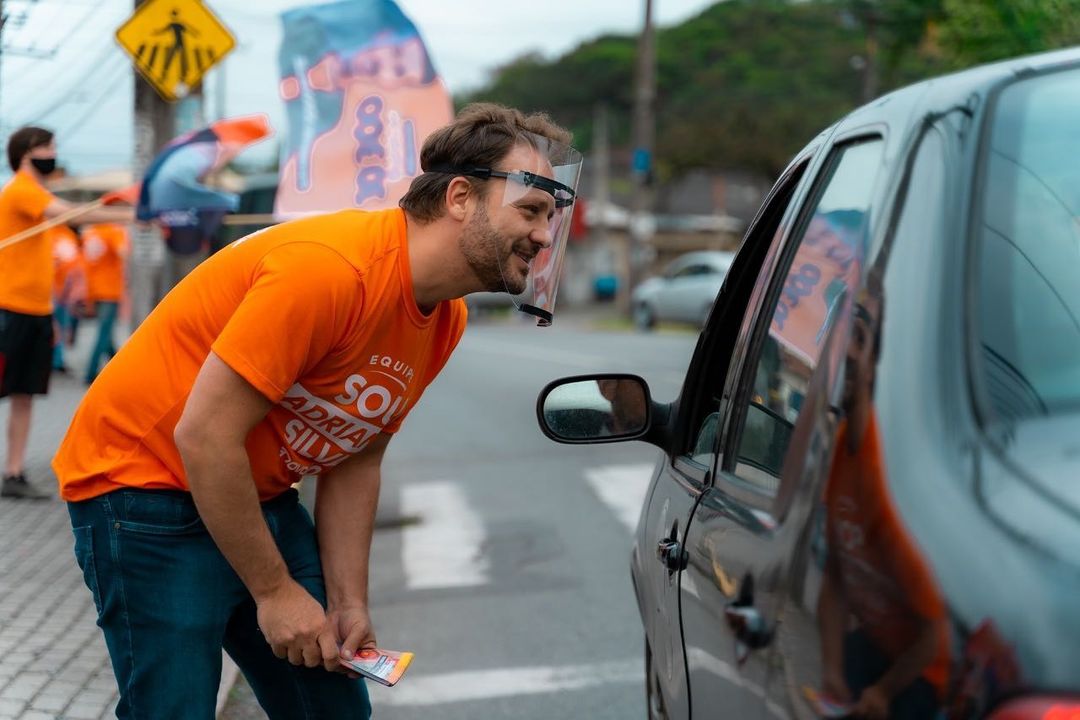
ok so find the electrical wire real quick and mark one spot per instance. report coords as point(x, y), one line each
point(119, 74)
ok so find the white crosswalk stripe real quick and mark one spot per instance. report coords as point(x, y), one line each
point(473, 685)
point(445, 548)
point(622, 488)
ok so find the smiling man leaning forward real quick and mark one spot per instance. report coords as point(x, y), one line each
point(297, 350)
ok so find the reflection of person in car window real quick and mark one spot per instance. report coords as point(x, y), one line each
point(628, 408)
point(894, 663)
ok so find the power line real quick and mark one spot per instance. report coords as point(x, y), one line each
point(52, 22)
point(91, 68)
point(96, 104)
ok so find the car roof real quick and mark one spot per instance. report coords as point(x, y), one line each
point(946, 91)
point(722, 258)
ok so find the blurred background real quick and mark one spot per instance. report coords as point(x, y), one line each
point(686, 110)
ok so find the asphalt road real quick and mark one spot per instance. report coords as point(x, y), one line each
point(502, 557)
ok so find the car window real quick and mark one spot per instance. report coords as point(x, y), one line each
point(692, 270)
point(825, 264)
point(1029, 251)
point(705, 418)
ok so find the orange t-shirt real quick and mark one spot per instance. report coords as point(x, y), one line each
point(26, 268)
point(317, 314)
point(104, 248)
point(884, 578)
point(67, 258)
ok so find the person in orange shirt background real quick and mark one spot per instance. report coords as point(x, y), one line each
point(69, 289)
point(105, 248)
point(26, 291)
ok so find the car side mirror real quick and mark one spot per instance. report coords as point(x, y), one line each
point(595, 408)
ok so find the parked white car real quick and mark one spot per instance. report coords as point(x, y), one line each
point(685, 292)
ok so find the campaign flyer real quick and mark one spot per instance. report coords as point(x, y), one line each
point(382, 666)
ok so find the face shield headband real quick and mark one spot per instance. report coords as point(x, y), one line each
point(539, 169)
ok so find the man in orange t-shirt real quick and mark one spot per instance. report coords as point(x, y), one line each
point(295, 351)
point(26, 280)
point(104, 249)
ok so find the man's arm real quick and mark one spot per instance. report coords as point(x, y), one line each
point(345, 503)
point(220, 412)
point(98, 215)
point(875, 701)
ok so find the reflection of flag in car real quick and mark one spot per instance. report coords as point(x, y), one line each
point(173, 192)
point(361, 95)
point(824, 272)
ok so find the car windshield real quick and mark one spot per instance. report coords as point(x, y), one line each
point(1029, 251)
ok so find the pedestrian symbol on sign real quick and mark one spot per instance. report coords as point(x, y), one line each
point(174, 43)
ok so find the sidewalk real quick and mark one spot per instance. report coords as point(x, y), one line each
point(53, 662)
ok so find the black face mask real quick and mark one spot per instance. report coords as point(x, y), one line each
point(45, 166)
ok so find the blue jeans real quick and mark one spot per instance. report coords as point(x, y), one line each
point(104, 345)
point(62, 317)
point(168, 602)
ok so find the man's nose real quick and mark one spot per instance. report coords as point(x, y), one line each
point(542, 237)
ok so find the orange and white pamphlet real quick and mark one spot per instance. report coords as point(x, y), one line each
point(382, 666)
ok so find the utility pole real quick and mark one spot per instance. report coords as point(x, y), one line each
point(155, 125)
point(642, 222)
point(609, 259)
point(870, 70)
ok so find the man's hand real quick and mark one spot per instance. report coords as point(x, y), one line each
point(873, 704)
point(291, 620)
point(347, 628)
point(834, 686)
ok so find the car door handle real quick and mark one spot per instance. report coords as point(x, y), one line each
point(670, 552)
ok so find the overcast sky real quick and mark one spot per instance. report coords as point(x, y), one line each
point(84, 90)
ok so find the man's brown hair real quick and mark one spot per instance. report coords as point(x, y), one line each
point(480, 136)
point(23, 141)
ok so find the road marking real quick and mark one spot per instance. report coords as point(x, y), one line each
point(445, 548)
point(472, 685)
point(623, 489)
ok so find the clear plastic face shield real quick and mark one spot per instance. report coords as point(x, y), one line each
point(539, 178)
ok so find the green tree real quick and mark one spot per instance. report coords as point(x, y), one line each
point(978, 31)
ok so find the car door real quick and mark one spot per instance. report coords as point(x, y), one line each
point(889, 572)
point(685, 473)
point(745, 526)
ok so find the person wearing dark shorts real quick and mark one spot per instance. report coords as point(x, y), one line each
point(25, 343)
point(26, 323)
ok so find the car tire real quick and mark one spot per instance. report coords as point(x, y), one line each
point(644, 317)
point(654, 699)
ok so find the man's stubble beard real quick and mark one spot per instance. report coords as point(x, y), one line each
point(482, 247)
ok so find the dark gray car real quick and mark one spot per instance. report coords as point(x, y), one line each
point(868, 500)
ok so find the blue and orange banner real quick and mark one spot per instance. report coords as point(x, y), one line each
point(361, 95)
point(824, 273)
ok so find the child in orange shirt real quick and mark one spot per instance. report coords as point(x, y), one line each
point(68, 284)
point(105, 248)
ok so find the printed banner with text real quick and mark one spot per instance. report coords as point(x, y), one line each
point(361, 94)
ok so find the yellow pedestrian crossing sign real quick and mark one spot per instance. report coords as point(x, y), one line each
point(174, 43)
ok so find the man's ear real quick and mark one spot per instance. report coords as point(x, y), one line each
point(459, 196)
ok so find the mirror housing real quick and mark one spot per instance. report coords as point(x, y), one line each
point(602, 408)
